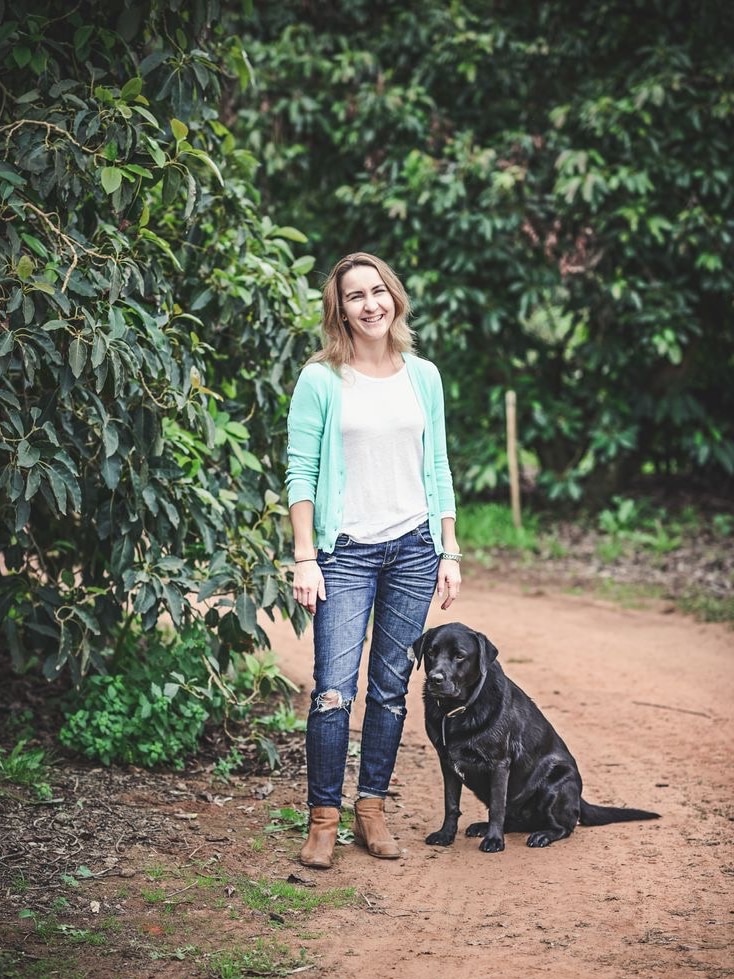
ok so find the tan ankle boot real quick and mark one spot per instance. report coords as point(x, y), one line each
point(318, 849)
point(371, 830)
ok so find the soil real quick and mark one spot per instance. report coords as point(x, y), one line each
point(153, 864)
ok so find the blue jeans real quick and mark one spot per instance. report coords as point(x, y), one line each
point(396, 580)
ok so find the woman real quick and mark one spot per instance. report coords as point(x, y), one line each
point(373, 515)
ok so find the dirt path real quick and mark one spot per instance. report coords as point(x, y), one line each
point(644, 701)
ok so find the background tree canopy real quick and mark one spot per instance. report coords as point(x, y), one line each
point(554, 180)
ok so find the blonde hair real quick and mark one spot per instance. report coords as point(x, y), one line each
point(336, 341)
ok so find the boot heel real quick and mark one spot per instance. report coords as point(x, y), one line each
point(370, 829)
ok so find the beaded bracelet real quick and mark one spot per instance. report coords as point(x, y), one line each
point(451, 557)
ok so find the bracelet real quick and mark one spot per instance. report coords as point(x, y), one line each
point(305, 560)
point(446, 556)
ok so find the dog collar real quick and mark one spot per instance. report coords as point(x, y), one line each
point(460, 710)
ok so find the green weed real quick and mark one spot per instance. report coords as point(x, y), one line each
point(81, 936)
point(19, 884)
point(157, 873)
point(283, 720)
point(265, 958)
point(27, 767)
point(638, 522)
point(288, 818)
point(225, 767)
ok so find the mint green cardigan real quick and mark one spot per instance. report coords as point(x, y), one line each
point(316, 469)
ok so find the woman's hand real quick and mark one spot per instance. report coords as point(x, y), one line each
point(308, 584)
point(449, 581)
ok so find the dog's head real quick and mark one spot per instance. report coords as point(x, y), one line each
point(456, 658)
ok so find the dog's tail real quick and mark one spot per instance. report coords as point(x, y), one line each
point(602, 815)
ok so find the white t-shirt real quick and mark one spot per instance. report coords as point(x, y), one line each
point(382, 430)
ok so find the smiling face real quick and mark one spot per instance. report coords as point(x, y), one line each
point(367, 304)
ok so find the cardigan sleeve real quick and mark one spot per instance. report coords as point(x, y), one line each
point(441, 468)
point(306, 420)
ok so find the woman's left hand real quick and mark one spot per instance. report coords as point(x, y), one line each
point(449, 581)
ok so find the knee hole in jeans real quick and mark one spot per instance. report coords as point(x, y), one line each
point(397, 712)
point(330, 700)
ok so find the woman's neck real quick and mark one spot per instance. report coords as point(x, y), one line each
point(379, 362)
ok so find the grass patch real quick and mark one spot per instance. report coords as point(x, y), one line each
point(627, 595)
point(282, 898)
point(707, 608)
point(265, 958)
point(486, 525)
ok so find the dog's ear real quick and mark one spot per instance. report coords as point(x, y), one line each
point(487, 650)
point(419, 645)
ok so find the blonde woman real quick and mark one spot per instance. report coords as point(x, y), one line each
point(372, 508)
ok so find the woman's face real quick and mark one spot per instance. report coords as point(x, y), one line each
point(367, 304)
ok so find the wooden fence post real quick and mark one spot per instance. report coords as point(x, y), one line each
point(510, 404)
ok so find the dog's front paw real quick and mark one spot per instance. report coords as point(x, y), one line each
point(440, 838)
point(539, 839)
point(492, 844)
point(477, 829)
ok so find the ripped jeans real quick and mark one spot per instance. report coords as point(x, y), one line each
point(393, 581)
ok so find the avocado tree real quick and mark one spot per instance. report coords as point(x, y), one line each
point(151, 315)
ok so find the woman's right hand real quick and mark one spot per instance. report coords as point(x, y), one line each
point(308, 584)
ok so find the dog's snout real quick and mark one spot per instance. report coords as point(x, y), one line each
point(436, 676)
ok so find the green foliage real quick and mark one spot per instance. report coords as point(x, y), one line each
point(555, 183)
point(485, 525)
point(225, 767)
point(283, 720)
point(636, 522)
point(158, 692)
point(152, 317)
point(27, 767)
point(153, 708)
point(708, 608)
point(287, 818)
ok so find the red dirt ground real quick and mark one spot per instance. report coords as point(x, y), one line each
point(642, 697)
point(644, 701)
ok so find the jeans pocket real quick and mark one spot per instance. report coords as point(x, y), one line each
point(343, 540)
point(423, 533)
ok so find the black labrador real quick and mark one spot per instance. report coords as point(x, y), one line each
point(491, 737)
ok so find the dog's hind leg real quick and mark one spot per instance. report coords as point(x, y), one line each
point(560, 818)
